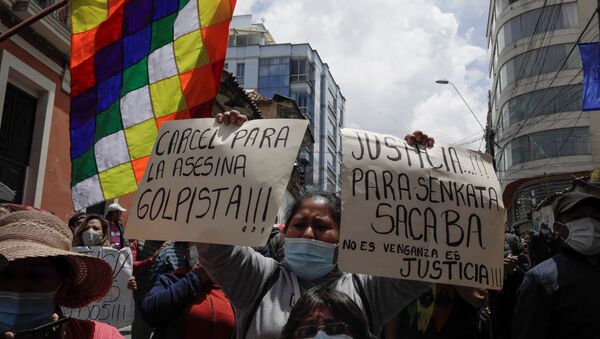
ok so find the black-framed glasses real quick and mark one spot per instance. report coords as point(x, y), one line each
point(331, 329)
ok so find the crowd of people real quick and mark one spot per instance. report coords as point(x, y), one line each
point(292, 287)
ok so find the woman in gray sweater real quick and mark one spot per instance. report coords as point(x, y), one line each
point(264, 291)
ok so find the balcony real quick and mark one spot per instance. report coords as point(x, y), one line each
point(62, 15)
point(55, 27)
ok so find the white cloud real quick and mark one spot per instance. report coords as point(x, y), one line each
point(386, 56)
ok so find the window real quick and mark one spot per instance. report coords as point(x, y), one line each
point(547, 101)
point(299, 70)
point(545, 19)
point(331, 185)
point(240, 71)
point(330, 159)
point(308, 174)
point(538, 61)
point(501, 4)
point(274, 76)
point(303, 101)
point(551, 143)
point(226, 66)
point(520, 150)
point(330, 99)
point(331, 130)
point(16, 133)
point(237, 39)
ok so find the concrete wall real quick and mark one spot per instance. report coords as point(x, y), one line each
point(48, 178)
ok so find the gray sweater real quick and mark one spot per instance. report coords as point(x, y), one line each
point(243, 273)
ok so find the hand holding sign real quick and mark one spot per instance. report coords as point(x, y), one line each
point(432, 214)
point(117, 307)
point(207, 182)
point(418, 137)
point(231, 117)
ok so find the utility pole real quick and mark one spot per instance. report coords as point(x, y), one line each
point(29, 21)
point(490, 133)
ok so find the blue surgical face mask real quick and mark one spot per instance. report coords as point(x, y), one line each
point(21, 311)
point(309, 259)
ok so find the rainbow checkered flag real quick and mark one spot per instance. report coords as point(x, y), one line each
point(134, 65)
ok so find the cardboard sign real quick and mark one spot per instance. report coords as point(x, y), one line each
point(117, 308)
point(212, 183)
point(434, 214)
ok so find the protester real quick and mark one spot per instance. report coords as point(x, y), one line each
point(94, 231)
point(170, 258)
point(543, 245)
point(39, 274)
point(76, 220)
point(114, 212)
point(559, 298)
point(142, 264)
point(144, 255)
point(443, 311)
point(274, 247)
point(325, 313)
point(502, 303)
point(263, 292)
point(187, 303)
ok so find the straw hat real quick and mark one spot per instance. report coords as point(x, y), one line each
point(29, 234)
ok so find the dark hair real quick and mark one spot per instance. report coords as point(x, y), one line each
point(333, 201)
point(339, 304)
point(75, 218)
point(77, 241)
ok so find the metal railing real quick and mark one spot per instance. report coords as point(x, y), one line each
point(62, 15)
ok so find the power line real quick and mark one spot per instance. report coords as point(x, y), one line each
point(537, 53)
point(551, 82)
point(554, 78)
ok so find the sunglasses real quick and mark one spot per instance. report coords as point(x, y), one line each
point(331, 329)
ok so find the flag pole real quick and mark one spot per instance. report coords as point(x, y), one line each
point(29, 21)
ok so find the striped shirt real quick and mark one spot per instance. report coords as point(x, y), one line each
point(169, 259)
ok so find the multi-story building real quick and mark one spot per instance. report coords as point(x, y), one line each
point(35, 102)
point(295, 71)
point(543, 137)
point(34, 97)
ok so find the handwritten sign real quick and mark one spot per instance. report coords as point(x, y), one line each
point(214, 183)
point(423, 214)
point(117, 308)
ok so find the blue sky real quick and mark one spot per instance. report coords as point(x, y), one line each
point(387, 54)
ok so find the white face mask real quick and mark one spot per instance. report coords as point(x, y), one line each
point(91, 237)
point(584, 236)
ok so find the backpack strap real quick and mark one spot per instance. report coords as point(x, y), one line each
point(266, 288)
point(364, 300)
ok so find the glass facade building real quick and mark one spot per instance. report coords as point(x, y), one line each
point(535, 98)
point(295, 71)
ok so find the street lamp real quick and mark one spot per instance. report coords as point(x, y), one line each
point(446, 82)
